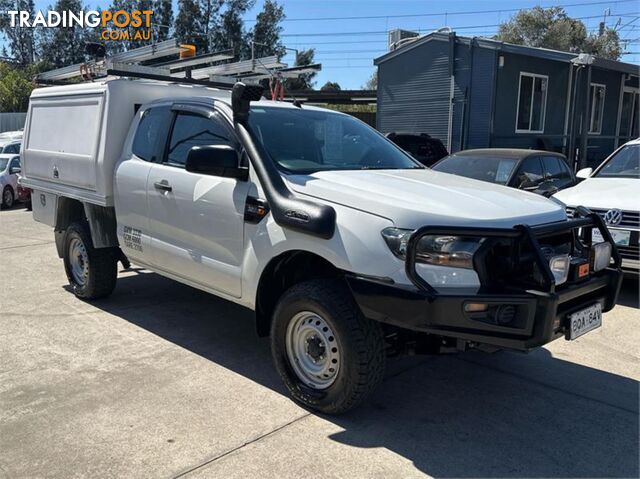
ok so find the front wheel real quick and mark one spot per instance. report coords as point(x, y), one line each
point(7, 197)
point(92, 272)
point(329, 356)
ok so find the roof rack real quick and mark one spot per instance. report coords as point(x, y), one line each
point(202, 69)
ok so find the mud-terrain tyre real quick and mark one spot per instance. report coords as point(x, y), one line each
point(328, 354)
point(92, 272)
point(8, 197)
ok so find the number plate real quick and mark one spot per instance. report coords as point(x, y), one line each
point(620, 237)
point(585, 320)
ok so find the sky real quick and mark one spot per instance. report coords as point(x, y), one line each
point(346, 47)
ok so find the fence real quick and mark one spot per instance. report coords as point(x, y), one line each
point(12, 121)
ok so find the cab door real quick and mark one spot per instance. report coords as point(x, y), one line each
point(197, 220)
point(130, 185)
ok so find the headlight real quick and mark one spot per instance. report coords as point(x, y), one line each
point(601, 255)
point(560, 267)
point(441, 250)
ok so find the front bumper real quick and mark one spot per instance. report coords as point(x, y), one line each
point(516, 318)
point(539, 317)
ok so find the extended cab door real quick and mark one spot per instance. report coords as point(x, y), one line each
point(197, 221)
point(130, 185)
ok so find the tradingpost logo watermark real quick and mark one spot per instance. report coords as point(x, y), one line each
point(120, 25)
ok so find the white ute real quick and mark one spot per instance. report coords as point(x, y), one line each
point(344, 246)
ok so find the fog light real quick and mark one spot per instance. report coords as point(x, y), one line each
point(476, 307)
point(560, 267)
point(601, 256)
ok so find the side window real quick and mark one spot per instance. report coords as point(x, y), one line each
point(190, 129)
point(14, 163)
point(530, 173)
point(13, 149)
point(556, 168)
point(151, 133)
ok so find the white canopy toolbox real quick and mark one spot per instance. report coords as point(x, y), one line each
point(74, 133)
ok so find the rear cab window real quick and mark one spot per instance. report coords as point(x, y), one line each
point(151, 134)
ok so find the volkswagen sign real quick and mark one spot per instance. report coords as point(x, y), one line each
point(613, 217)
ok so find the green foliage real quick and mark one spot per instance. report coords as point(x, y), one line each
point(16, 85)
point(266, 32)
point(553, 28)
point(64, 46)
point(20, 40)
point(229, 32)
point(330, 86)
point(163, 19)
point(351, 108)
point(372, 82)
point(189, 27)
point(304, 81)
point(606, 45)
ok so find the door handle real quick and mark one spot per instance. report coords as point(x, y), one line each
point(162, 185)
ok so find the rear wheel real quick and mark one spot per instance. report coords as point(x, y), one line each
point(91, 272)
point(329, 356)
point(7, 197)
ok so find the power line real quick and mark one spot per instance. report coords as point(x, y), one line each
point(385, 32)
point(443, 14)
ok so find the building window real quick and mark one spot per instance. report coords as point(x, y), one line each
point(532, 103)
point(597, 108)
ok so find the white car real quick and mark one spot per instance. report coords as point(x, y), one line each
point(9, 169)
point(10, 146)
point(613, 191)
point(343, 245)
point(11, 135)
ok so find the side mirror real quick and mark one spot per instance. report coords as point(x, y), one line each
point(216, 160)
point(584, 173)
point(15, 170)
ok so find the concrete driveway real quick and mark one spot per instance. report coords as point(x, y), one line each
point(162, 380)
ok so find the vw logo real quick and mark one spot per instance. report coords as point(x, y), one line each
point(613, 217)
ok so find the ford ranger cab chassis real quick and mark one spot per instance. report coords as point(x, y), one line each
point(344, 246)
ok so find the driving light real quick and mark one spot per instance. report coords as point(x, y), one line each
point(476, 307)
point(560, 267)
point(601, 255)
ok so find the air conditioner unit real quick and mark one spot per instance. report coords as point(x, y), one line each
point(399, 37)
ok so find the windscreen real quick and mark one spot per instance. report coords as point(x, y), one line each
point(485, 168)
point(625, 164)
point(306, 141)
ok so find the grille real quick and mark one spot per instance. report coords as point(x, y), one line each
point(630, 219)
point(630, 252)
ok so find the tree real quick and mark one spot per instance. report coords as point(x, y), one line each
point(553, 28)
point(229, 32)
point(266, 31)
point(304, 81)
point(20, 39)
point(605, 45)
point(63, 46)
point(372, 82)
point(330, 86)
point(189, 28)
point(163, 18)
point(16, 85)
